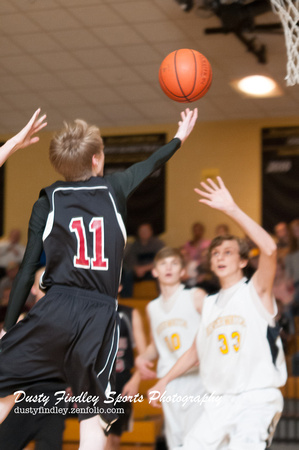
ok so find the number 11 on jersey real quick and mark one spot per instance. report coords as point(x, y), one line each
point(81, 259)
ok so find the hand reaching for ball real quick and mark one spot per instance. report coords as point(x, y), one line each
point(187, 123)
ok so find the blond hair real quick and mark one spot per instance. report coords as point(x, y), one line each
point(71, 150)
point(167, 252)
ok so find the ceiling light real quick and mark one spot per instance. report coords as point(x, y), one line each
point(186, 5)
point(257, 86)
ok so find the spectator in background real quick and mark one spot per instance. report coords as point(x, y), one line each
point(5, 297)
point(283, 287)
point(139, 258)
point(282, 238)
point(222, 229)
point(196, 249)
point(294, 233)
point(285, 320)
point(195, 253)
point(11, 273)
point(11, 250)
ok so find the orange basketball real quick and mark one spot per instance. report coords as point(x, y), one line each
point(185, 75)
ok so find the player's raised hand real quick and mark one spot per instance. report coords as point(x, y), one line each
point(216, 196)
point(186, 124)
point(25, 137)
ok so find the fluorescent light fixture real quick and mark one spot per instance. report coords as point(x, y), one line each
point(186, 5)
point(257, 86)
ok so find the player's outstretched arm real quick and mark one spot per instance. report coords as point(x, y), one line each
point(188, 360)
point(218, 197)
point(125, 183)
point(24, 138)
point(186, 124)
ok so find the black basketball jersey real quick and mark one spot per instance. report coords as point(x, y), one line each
point(84, 237)
point(125, 353)
point(60, 259)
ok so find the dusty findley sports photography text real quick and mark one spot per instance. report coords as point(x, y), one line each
point(114, 398)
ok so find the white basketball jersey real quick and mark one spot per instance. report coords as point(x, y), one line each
point(174, 325)
point(233, 348)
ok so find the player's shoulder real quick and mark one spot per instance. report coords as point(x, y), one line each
point(188, 291)
point(199, 291)
point(198, 297)
point(40, 210)
point(153, 305)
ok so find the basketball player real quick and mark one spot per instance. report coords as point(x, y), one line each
point(73, 330)
point(23, 138)
point(174, 321)
point(240, 357)
point(45, 428)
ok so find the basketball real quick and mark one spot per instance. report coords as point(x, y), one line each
point(185, 75)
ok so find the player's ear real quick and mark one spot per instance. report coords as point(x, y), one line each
point(154, 273)
point(33, 290)
point(183, 272)
point(97, 163)
point(96, 160)
point(243, 263)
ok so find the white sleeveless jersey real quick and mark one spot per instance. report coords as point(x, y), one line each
point(174, 325)
point(232, 344)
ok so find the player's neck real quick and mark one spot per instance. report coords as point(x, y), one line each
point(167, 291)
point(231, 280)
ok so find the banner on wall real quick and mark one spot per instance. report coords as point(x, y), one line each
point(280, 172)
point(147, 203)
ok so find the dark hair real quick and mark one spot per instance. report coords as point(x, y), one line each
point(218, 240)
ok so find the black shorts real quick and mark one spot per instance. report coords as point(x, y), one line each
point(26, 423)
point(70, 335)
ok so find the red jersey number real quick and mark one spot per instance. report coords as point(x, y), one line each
point(81, 259)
